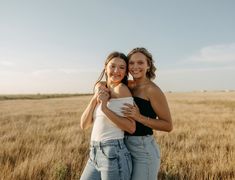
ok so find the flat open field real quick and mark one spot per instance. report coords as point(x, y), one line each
point(42, 139)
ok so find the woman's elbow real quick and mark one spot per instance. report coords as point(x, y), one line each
point(170, 127)
point(82, 126)
point(132, 129)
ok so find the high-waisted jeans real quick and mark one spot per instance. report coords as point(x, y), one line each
point(109, 160)
point(145, 155)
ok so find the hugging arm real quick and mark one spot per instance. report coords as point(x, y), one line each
point(159, 104)
point(123, 123)
point(126, 124)
point(87, 115)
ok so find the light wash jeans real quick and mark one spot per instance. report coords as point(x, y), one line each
point(145, 155)
point(109, 160)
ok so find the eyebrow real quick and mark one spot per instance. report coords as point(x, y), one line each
point(118, 64)
point(137, 60)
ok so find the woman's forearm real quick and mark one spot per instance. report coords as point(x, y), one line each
point(157, 124)
point(87, 115)
point(123, 123)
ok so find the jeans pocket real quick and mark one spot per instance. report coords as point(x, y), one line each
point(110, 152)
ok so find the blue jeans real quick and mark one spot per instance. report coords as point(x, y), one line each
point(109, 160)
point(145, 155)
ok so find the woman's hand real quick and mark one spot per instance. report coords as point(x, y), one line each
point(131, 111)
point(101, 86)
point(103, 97)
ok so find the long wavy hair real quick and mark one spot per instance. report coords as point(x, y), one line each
point(151, 71)
point(109, 58)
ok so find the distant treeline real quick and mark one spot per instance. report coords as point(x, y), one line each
point(38, 96)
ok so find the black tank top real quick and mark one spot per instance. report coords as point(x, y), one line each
point(146, 110)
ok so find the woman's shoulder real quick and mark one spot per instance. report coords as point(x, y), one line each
point(153, 90)
point(121, 90)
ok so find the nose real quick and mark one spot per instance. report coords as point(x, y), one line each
point(134, 66)
point(116, 69)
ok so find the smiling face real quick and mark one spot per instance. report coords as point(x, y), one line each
point(115, 70)
point(138, 65)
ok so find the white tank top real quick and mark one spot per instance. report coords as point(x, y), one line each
point(103, 128)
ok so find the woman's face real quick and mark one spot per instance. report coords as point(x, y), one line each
point(138, 65)
point(116, 70)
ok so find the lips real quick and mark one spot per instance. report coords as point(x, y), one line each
point(135, 72)
point(116, 76)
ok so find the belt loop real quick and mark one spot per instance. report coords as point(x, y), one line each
point(120, 143)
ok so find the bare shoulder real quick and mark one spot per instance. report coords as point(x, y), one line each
point(122, 90)
point(154, 91)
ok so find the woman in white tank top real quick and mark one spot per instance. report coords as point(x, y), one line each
point(109, 158)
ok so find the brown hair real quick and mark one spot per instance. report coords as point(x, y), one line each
point(109, 58)
point(151, 72)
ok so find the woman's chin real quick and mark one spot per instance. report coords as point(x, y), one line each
point(136, 76)
point(116, 81)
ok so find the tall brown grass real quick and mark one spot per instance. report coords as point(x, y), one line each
point(41, 139)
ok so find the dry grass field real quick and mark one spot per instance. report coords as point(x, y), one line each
point(41, 138)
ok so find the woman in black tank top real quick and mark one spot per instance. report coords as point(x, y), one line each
point(150, 112)
point(146, 110)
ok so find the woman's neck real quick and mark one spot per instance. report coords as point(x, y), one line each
point(141, 81)
point(112, 84)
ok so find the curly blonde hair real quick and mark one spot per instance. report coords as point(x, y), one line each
point(151, 71)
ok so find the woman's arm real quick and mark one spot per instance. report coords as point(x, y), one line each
point(101, 86)
point(159, 104)
point(161, 108)
point(123, 123)
point(87, 115)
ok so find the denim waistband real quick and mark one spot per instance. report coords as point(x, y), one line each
point(147, 137)
point(113, 142)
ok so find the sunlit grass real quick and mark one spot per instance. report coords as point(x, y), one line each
point(37, 96)
point(41, 139)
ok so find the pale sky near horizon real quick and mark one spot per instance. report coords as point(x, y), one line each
point(55, 46)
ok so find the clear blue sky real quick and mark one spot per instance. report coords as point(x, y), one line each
point(54, 46)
